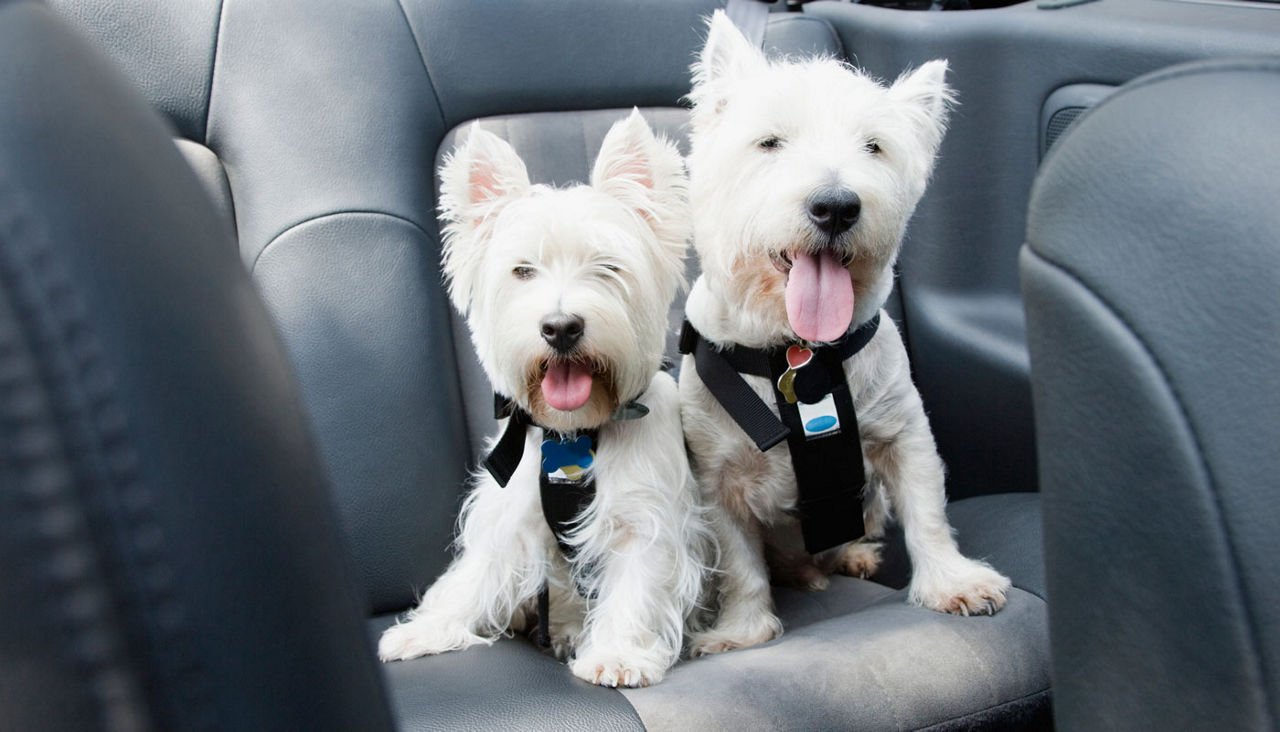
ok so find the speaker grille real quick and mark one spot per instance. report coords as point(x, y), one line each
point(1059, 123)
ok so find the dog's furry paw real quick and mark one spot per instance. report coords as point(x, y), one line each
point(970, 588)
point(422, 638)
point(802, 574)
point(608, 669)
point(860, 559)
point(725, 637)
point(564, 638)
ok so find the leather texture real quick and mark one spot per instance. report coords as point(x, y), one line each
point(857, 656)
point(166, 49)
point(208, 169)
point(1150, 276)
point(168, 546)
point(509, 685)
point(854, 656)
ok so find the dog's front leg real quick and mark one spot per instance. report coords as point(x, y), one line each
point(634, 627)
point(907, 462)
point(745, 616)
point(501, 564)
point(861, 558)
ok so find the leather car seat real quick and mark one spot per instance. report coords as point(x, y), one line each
point(1152, 282)
point(314, 127)
point(169, 554)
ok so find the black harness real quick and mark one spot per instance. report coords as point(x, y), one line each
point(566, 481)
point(815, 416)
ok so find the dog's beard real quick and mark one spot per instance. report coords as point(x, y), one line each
point(594, 412)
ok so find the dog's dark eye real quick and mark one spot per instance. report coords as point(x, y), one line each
point(523, 272)
point(873, 146)
point(770, 143)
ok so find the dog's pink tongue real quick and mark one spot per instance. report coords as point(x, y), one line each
point(566, 386)
point(819, 297)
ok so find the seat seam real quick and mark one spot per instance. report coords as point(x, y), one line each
point(1211, 481)
point(43, 547)
point(970, 715)
point(67, 361)
point(213, 70)
point(331, 214)
point(426, 71)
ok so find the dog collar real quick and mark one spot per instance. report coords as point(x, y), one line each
point(504, 458)
point(815, 416)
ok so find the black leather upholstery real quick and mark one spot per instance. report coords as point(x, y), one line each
point(1150, 275)
point(168, 549)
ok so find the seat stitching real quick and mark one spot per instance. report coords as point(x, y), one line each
point(105, 465)
point(320, 217)
point(947, 722)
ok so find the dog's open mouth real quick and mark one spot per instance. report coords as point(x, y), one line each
point(782, 261)
point(566, 383)
point(819, 292)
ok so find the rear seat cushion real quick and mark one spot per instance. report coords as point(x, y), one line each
point(855, 656)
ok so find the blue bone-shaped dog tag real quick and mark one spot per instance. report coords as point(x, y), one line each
point(570, 457)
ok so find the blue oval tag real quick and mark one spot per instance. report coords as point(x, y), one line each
point(820, 424)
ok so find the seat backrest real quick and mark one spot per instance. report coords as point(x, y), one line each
point(169, 555)
point(320, 124)
point(1152, 283)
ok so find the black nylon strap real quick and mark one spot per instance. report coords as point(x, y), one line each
point(504, 458)
point(544, 615)
point(758, 361)
point(746, 408)
point(562, 501)
point(829, 471)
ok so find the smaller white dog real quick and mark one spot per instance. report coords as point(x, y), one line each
point(566, 293)
point(803, 176)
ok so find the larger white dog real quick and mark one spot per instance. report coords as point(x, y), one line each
point(803, 175)
point(566, 294)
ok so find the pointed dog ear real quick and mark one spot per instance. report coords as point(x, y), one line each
point(727, 54)
point(646, 174)
point(926, 90)
point(726, 57)
point(479, 178)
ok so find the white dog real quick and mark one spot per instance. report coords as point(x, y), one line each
point(566, 293)
point(803, 175)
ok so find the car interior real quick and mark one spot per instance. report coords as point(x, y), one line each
point(238, 414)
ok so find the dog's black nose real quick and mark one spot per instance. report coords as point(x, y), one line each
point(834, 210)
point(562, 331)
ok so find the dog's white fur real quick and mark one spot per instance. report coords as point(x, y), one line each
point(749, 207)
point(612, 253)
